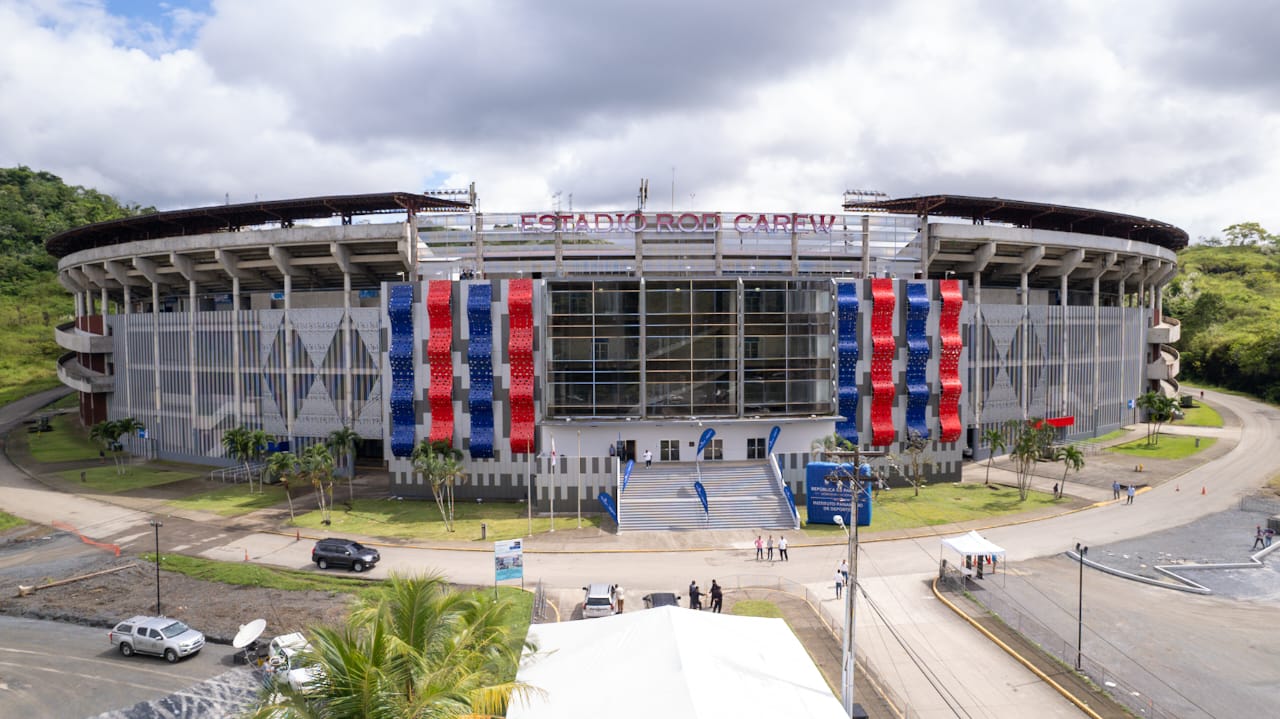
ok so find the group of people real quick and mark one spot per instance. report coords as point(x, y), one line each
point(762, 545)
point(716, 594)
point(1130, 491)
point(842, 577)
point(1262, 537)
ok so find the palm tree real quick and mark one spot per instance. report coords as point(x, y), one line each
point(344, 442)
point(238, 444)
point(128, 426)
point(284, 465)
point(441, 465)
point(1159, 409)
point(1030, 443)
point(417, 649)
point(258, 441)
point(104, 433)
point(317, 465)
point(995, 443)
point(1072, 460)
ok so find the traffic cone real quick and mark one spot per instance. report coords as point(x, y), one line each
point(1202, 491)
point(246, 555)
point(297, 535)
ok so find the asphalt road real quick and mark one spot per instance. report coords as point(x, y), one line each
point(57, 670)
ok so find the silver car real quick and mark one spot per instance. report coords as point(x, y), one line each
point(161, 636)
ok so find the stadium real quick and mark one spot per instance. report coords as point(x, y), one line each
point(553, 348)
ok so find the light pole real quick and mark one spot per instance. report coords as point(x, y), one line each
point(848, 655)
point(1081, 551)
point(156, 525)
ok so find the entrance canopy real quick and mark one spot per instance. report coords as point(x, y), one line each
point(671, 662)
point(974, 544)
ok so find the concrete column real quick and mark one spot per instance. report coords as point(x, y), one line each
point(155, 349)
point(288, 359)
point(125, 380)
point(103, 291)
point(1026, 336)
point(866, 246)
point(1097, 350)
point(238, 379)
point(978, 343)
point(191, 355)
point(1066, 347)
point(348, 403)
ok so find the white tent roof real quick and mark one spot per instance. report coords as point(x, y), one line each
point(671, 662)
point(973, 543)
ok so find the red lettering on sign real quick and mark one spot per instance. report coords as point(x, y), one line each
point(823, 223)
point(737, 223)
point(710, 222)
point(582, 225)
point(664, 222)
point(604, 222)
point(781, 223)
point(548, 223)
point(526, 222)
point(689, 222)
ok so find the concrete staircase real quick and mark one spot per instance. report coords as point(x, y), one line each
point(740, 495)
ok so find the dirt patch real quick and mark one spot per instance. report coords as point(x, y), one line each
point(216, 609)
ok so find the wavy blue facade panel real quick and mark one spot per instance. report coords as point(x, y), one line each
point(847, 360)
point(400, 359)
point(918, 353)
point(480, 365)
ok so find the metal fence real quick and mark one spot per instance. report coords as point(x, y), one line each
point(1132, 690)
point(1260, 504)
point(538, 614)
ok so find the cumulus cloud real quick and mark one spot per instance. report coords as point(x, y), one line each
point(1161, 109)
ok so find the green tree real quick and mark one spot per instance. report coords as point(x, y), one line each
point(284, 466)
point(830, 444)
point(238, 441)
point(1029, 442)
point(441, 466)
point(1249, 233)
point(995, 444)
point(130, 427)
point(317, 467)
point(1072, 461)
point(417, 649)
point(1158, 409)
point(105, 434)
point(343, 443)
point(916, 448)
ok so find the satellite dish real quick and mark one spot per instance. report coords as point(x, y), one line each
point(248, 633)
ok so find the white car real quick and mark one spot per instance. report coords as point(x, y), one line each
point(599, 600)
point(289, 660)
point(161, 636)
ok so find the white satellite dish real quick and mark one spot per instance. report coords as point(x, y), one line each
point(248, 633)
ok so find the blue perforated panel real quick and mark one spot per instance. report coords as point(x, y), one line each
point(918, 353)
point(847, 360)
point(480, 365)
point(400, 358)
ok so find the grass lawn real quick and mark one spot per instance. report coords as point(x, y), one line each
point(420, 519)
point(253, 575)
point(941, 503)
point(68, 442)
point(1202, 415)
point(8, 521)
point(1114, 434)
point(1171, 446)
point(233, 500)
point(103, 478)
point(755, 608)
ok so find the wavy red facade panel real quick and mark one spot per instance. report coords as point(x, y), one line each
point(949, 360)
point(520, 352)
point(883, 348)
point(440, 359)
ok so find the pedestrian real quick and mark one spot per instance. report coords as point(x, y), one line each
point(695, 595)
point(839, 583)
point(1115, 489)
point(1201, 394)
point(717, 597)
point(1267, 535)
point(617, 594)
point(759, 548)
point(1259, 539)
point(1132, 492)
point(782, 548)
point(844, 570)
point(613, 451)
point(769, 544)
point(1055, 490)
point(648, 458)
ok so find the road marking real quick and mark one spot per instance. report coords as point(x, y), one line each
point(90, 677)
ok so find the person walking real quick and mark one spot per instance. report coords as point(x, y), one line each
point(769, 544)
point(648, 458)
point(1267, 535)
point(1259, 539)
point(1132, 492)
point(782, 548)
point(844, 570)
point(839, 583)
point(1115, 489)
point(617, 595)
point(759, 548)
point(717, 597)
point(695, 595)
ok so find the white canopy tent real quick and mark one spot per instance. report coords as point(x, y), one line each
point(671, 662)
point(976, 551)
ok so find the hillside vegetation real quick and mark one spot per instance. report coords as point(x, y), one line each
point(33, 206)
point(1228, 299)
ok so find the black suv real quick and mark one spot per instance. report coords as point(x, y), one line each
point(344, 553)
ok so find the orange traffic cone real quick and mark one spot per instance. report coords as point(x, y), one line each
point(246, 555)
point(1202, 491)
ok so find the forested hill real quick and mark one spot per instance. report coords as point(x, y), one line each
point(33, 206)
point(1228, 299)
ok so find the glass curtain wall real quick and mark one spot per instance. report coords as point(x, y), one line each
point(711, 348)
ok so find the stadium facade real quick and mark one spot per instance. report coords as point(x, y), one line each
point(550, 346)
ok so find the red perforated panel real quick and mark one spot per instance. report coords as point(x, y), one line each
point(949, 360)
point(520, 351)
point(883, 348)
point(440, 359)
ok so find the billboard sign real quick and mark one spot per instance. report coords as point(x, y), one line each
point(508, 559)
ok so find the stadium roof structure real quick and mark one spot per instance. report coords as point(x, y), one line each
point(230, 218)
point(1033, 215)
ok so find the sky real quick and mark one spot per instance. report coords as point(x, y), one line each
point(1167, 109)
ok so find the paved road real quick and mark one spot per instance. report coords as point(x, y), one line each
point(919, 648)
